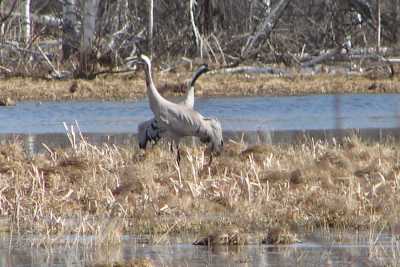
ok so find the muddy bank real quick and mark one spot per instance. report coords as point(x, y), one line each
point(132, 86)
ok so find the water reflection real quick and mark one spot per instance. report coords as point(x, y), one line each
point(316, 250)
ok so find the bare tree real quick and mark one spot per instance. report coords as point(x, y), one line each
point(264, 29)
point(26, 20)
point(70, 43)
point(102, 33)
point(89, 17)
point(397, 21)
point(378, 15)
point(151, 27)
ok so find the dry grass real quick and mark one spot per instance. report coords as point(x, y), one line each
point(108, 191)
point(128, 87)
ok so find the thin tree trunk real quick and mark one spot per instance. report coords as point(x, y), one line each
point(397, 20)
point(197, 35)
point(251, 15)
point(151, 27)
point(378, 44)
point(88, 33)
point(70, 41)
point(26, 21)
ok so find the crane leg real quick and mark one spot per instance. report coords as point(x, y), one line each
point(171, 146)
point(211, 158)
point(178, 155)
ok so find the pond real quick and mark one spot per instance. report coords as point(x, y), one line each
point(267, 119)
point(316, 249)
point(236, 114)
point(249, 119)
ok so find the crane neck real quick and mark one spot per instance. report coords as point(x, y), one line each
point(148, 77)
point(197, 74)
point(189, 100)
point(154, 96)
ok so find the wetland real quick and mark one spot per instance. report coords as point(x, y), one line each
point(85, 189)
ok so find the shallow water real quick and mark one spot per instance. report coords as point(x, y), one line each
point(236, 114)
point(317, 249)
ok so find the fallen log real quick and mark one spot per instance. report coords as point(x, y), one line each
point(47, 20)
point(14, 47)
point(251, 70)
point(322, 57)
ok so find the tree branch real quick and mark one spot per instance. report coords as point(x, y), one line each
point(264, 29)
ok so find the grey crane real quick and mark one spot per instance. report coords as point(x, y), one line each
point(149, 131)
point(178, 121)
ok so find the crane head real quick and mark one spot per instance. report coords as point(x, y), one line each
point(145, 59)
point(201, 70)
point(204, 68)
point(142, 59)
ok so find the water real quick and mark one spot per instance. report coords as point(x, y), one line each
point(282, 117)
point(317, 249)
point(236, 114)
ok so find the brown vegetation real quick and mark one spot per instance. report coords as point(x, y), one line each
point(229, 237)
point(133, 87)
point(109, 191)
point(132, 263)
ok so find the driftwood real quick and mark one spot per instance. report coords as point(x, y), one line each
point(322, 57)
point(251, 70)
point(4, 69)
point(372, 64)
point(47, 20)
point(393, 60)
point(14, 47)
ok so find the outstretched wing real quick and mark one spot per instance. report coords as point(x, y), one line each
point(149, 131)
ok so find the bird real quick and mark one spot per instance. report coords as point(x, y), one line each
point(178, 121)
point(149, 131)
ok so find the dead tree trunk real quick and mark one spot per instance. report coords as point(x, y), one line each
point(26, 20)
point(397, 20)
point(322, 57)
point(264, 29)
point(378, 11)
point(197, 35)
point(206, 17)
point(151, 27)
point(87, 35)
point(70, 42)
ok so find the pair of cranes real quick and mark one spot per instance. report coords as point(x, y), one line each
point(176, 120)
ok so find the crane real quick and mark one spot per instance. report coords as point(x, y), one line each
point(178, 121)
point(149, 131)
